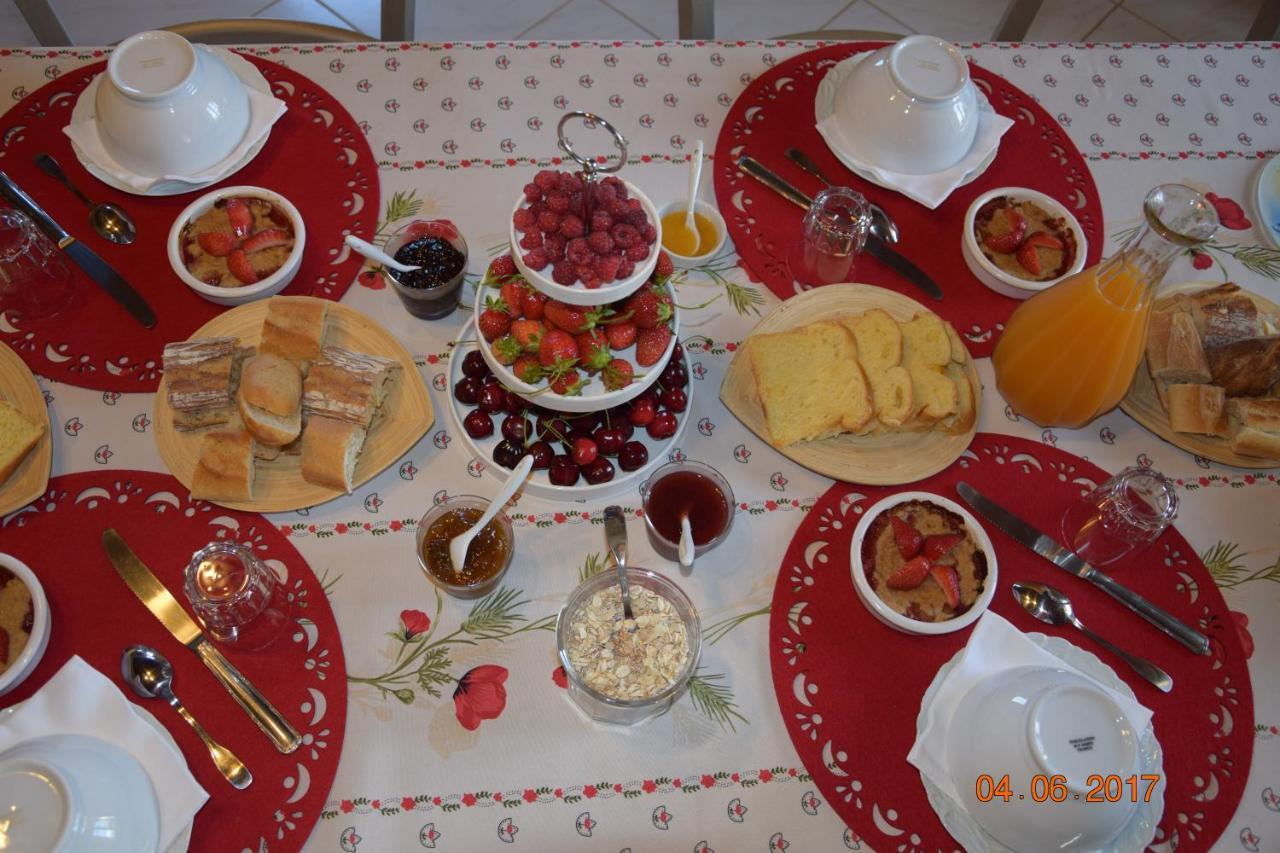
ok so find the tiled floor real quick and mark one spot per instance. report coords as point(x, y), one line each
point(105, 21)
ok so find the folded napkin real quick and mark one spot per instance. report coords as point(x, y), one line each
point(264, 110)
point(932, 189)
point(80, 700)
point(994, 646)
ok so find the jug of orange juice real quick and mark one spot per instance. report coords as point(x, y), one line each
point(1069, 353)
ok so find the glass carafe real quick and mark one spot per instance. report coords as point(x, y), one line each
point(1069, 353)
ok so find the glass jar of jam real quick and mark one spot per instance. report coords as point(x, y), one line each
point(236, 596)
point(687, 488)
point(488, 558)
point(436, 246)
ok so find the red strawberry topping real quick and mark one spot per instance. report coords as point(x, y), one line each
point(266, 239)
point(240, 267)
point(218, 243)
point(949, 580)
point(910, 575)
point(241, 217)
point(907, 537)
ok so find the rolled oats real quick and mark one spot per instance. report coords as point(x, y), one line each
point(627, 658)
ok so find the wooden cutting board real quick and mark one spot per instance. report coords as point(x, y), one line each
point(19, 387)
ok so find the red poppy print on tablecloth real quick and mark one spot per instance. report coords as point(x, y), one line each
point(1230, 213)
point(414, 622)
point(560, 678)
point(480, 696)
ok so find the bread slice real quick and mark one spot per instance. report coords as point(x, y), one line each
point(810, 383)
point(1199, 409)
point(1174, 353)
point(330, 449)
point(959, 352)
point(879, 343)
point(225, 470)
point(966, 402)
point(348, 385)
point(270, 399)
point(295, 328)
point(18, 436)
point(201, 377)
point(926, 352)
point(1247, 367)
point(1255, 426)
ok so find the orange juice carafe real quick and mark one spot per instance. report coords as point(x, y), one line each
point(1069, 353)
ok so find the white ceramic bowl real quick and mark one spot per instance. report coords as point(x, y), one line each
point(710, 211)
point(994, 277)
point(41, 625)
point(167, 107)
point(910, 107)
point(77, 794)
point(268, 286)
point(1053, 724)
point(887, 614)
point(579, 294)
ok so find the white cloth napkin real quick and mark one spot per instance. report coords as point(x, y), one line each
point(264, 110)
point(81, 700)
point(932, 189)
point(994, 646)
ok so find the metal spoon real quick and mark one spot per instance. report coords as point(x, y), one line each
point(1049, 605)
point(459, 544)
point(373, 253)
point(615, 534)
point(150, 675)
point(882, 225)
point(108, 220)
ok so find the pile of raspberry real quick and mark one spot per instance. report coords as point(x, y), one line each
point(553, 232)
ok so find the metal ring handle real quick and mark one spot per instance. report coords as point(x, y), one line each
point(590, 165)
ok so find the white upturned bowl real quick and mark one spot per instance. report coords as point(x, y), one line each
point(910, 107)
point(1043, 725)
point(41, 625)
point(887, 614)
point(168, 107)
point(268, 286)
point(708, 210)
point(73, 793)
point(994, 277)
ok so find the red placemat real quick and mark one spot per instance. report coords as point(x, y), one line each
point(850, 687)
point(96, 616)
point(316, 157)
point(776, 112)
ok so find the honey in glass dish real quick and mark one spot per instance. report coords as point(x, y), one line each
point(675, 239)
point(687, 488)
point(236, 596)
point(488, 556)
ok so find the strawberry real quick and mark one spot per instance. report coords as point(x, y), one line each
point(240, 267)
point(527, 369)
point(557, 349)
point(593, 350)
point(512, 295)
point(908, 538)
point(949, 581)
point(651, 345)
point(529, 333)
point(240, 215)
point(218, 243)
point(1027, 254)
point(533, 303)
point(506, 349)
point(567, 384)
point(646, 309)
point(911, 574)
point(266, 239)
point(494, 321)
point(618, 374)
point(501, 269)
point(1010, 240)
point(937, 547)
point(574, 319)
point(663, 269)
point(620, 335)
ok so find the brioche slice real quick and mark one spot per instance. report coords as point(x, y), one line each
point(966, 409)
point(926, 351)
point(294, 328)
point(224, 471)
point(1199, 409)
point(809, 382)
point(270, 399)
point(959, 352)
point(879, 343)
point(1174, 353)
point(18, 436)
point(330, 449)
point(1255, 426)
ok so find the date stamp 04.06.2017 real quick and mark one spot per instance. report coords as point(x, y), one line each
point(1043, 788)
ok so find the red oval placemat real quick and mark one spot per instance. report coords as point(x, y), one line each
point(776, 112)
point(317, 157)
point(96, 616)
point(850, 687)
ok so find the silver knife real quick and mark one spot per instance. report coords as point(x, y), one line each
point(98, 269)
point(875, 247)
point(1068, 560)
point(165, 608)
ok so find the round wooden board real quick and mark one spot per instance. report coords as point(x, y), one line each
point(1143, 404)
point(405, 417)
point(19, 387)
point(885, 460)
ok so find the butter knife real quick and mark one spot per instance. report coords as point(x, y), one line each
point(165, 608)
point(1069, 561)
point(98, 269)
point(875, 247)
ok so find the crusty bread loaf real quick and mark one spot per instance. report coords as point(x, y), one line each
point(294, 328)
point(1247, 367)
point(1174, 353)
point(926, 352)
point(1255, 426)
point(1223, 314)
point(330, 450)
point(270, 399)
point(879, 343)
point(18, 436)
point(348, 385)
point(1199, 409)
point(809, 381)
point(201, 377)
point(224, 471)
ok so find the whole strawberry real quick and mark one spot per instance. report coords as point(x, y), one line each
point(647, 309)
point(494, 321)
point(506, 349)
point(593, 350)
point(500, 270)
point(651, 344)
point(567, 383)
point(557, 350)
point(529, 333)
point(528, 370)
point(533, 303)
point(664, 269)
point(620, 335)
point(618, 374)
point(574, 319)
point(512, 297)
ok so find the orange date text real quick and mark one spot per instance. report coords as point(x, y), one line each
point(1043, 788)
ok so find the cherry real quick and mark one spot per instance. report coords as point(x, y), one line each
point(516, 428)
point(467, 390)
point(491, 398)
point(624, 428)
point(478, 424)
point(508, 454)
point(563, 471)
point(674, 376)
point(642, 411)
point(675, 399)
point(663, 425)
point(600, 471)
point(552, 428)
point(633, 456)
point(542, 455)
point(585, 451)
point(515, 404)
point(677, 352)
point(474, 366)
point(609, 440)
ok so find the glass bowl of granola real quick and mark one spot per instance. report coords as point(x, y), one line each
point(627, 672)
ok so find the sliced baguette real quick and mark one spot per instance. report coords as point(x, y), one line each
point(1255, 426)
point(295, 328)
point(1198, 409)
point(270, 399)
point(225, 470)
point(1174, 353)
point(330, 450)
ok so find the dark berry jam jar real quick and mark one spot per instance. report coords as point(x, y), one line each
point(436, 246)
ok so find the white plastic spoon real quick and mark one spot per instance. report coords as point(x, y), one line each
point(688, 238)
point(686, 542)
point(373, 253)
point(459, 544)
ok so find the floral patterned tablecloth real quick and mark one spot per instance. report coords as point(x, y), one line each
point(459, 734)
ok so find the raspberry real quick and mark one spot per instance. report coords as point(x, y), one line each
point(523, 219)
point(569, 182)
point(546, 180)
point(536, 209)
point(531, 240)
point(649, 233)
point(586, 271)
point(634, 204)
point(601, 243)
point(603, 194)
point(536, 260)
point(532, 192)
point(592, 283)
point(615, 184)
point(625, 235)
point(564, 273)
point(637, 218)
point(607, 266)
point(577, 251)
point(571, 226)
point(548, 222)
point(558, 201)
point(619, 210)
point(638, 252)
point(626, 269)
point(575, 202)
point(601, 220)
point(554, 244)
